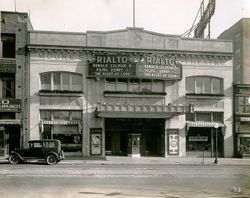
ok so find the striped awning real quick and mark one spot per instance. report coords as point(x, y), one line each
point(205, 124)
point(10, 122)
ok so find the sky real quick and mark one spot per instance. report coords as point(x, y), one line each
point(162, 16)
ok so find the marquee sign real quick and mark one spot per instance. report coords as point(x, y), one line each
point(152, 67)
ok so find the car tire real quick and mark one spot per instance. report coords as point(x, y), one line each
point(51, 159)
point(14, 159)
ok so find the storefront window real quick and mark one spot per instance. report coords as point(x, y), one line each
point(69, 136)
point(245, 145)
point(199, 139)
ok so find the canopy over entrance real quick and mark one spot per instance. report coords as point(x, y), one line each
point(141, 111)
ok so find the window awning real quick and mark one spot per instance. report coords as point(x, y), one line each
point(10, 122)
point(205, 124)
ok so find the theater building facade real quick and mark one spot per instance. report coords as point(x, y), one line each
point(131, 92)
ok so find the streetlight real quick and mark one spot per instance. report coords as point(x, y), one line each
point(216, 126)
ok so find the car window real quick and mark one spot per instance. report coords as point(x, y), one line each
point(36, 145)
point(49, 144)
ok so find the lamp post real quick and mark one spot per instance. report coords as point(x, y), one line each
point(216, 126)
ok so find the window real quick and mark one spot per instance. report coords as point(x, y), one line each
point(7, 86)
point(122, 84)
point(8, 43)
point(134, 85)
point(61, 81)
point(76, 115)
point(45, 115)
point(242, 104)
point(110, 84)
point(146, 85)
point(45, 81)
point(205, 116)
point(60, 115)
point(204, 85)
point(36, 145)
point(69, 135)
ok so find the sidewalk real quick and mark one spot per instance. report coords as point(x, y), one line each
point(124, 160)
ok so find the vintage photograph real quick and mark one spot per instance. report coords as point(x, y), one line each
point(125, 98)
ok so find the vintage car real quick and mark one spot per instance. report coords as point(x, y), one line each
point(46, 150)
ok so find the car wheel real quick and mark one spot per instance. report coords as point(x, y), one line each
point(51, 159)
point(14, 159)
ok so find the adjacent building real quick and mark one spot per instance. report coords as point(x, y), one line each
point(240, 34)
point(131, 92)
point(14, 81)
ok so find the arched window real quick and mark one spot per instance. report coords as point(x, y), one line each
point(61, 81)
point(204, 85)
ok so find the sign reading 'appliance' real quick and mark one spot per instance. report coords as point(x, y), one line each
point(10, 105)
point(165, 68)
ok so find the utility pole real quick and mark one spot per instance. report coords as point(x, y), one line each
point(133, 13)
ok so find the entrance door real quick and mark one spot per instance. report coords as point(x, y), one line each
point(134, 145)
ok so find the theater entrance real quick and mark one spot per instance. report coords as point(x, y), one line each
point(118, 131)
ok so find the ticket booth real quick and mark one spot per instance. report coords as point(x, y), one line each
point(134, 141)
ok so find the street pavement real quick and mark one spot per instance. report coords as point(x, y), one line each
point(126, 177)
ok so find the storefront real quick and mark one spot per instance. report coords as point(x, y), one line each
point(242, 120)
point(10, 128)
point(202, 137)
point(243, 136)
point(69, 132)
